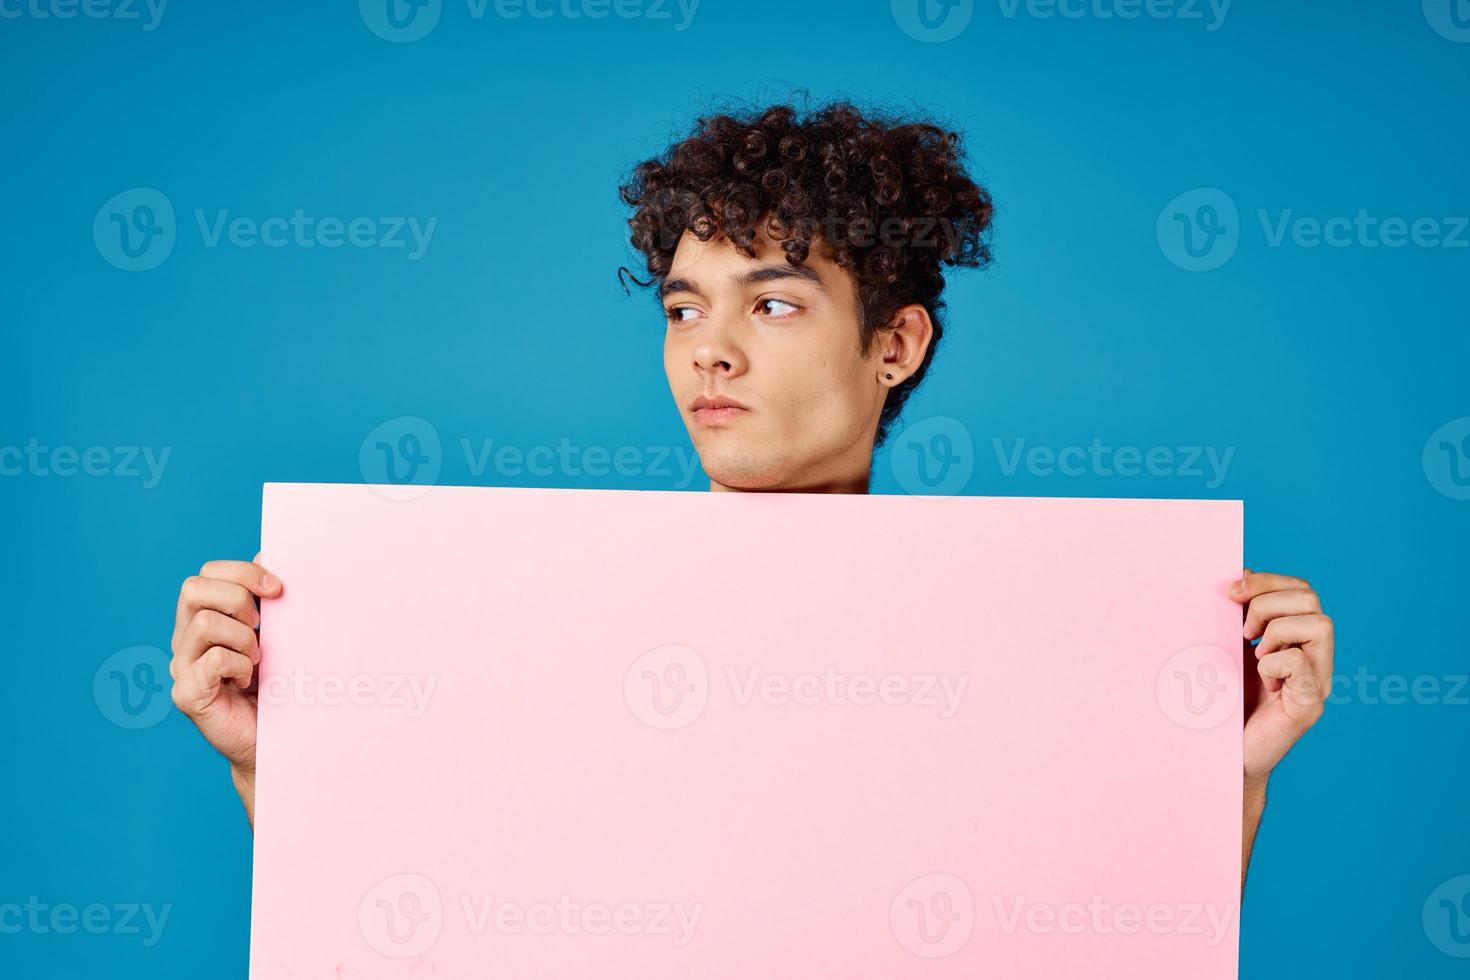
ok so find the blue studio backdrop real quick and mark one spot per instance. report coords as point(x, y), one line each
point(253, 242)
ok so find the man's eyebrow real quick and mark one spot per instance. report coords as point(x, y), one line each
point(676, 286)
point(765, 273)
point(772, 273)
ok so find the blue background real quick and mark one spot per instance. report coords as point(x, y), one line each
point(1325, 369)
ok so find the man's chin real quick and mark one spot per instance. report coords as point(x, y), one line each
point(728, 467)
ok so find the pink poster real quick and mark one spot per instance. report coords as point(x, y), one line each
point(667, 736)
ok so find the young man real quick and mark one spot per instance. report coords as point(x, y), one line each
point(799, 261)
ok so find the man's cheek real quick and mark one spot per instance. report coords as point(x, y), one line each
point(683, 384)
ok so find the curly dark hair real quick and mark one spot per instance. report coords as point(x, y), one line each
point(890, 198)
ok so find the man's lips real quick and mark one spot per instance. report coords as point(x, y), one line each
point(717, 409)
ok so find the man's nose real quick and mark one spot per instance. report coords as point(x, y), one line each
point(718, 352)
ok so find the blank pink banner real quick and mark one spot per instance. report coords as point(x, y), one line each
point(666, 736)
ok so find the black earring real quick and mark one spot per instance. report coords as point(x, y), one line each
point(888, 376)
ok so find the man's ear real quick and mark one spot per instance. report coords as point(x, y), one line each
point(902, 345)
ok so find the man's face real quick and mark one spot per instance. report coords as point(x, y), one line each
point(766, 366)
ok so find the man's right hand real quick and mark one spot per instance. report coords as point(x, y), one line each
point(216, 651)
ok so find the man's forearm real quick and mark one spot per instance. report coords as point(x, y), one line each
point(245, 786)
point(1255, 805)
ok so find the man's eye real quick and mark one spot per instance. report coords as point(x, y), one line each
point(777, 308)
point(679, 314)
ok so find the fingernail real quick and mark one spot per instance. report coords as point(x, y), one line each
point(269, 583)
